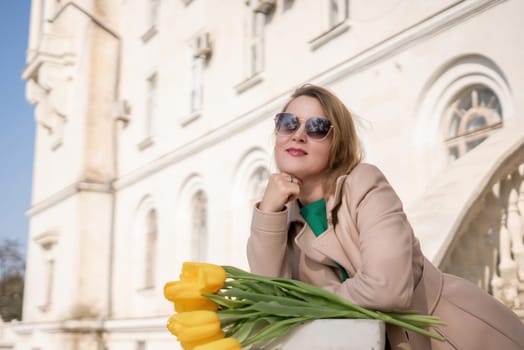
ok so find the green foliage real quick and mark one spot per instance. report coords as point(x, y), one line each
point(256, 309)
point(11, 280)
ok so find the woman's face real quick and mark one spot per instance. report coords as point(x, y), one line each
point(297, 154)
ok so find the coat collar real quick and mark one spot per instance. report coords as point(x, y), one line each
point(331, 204)
point(325, 248)
point(335, 199)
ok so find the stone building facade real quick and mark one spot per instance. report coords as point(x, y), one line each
point(154, 139)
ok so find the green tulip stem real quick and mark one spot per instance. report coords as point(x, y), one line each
point(295, 301)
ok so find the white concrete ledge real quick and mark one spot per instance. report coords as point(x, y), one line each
point(339, 334)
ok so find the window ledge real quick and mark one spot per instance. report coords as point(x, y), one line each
point(146, 291)
point(47, 239)
point(249, 83)
point(56, 143)
point(145, 143)
point(151, 32)
point(185, 120)
point(329, 35)
point(45, 307)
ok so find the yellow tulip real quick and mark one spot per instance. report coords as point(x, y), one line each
point(209, 277)
point(222, 344)
point(192, 326)
point(187, 297)
point(194, 305)
point(190, 345)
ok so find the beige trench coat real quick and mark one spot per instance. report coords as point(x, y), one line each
point(369, 235)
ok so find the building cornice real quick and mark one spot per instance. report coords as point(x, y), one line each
point(226, 131)
point(146, 324)
point(67, 192)
point(431, 26)
point(40, 58)
point(98, 21)
point(136, 324)
point(443, 20)
point(65, 55)
point(462, 186)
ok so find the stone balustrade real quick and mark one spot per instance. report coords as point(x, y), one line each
point(340, 334)
point(470, 221)
point(490, 245)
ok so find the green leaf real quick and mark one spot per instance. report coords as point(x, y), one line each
point(256, 297)
point(258, 287)
point(396, 322)
point(243, 332)
point(276, 329)
point(226, 302)
point(227, 316)
point(312, 312)
point(317, 300)
point(288, 295)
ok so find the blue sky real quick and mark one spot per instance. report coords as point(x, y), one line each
point(17, 123)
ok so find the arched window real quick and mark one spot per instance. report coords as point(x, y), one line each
point(150, 253)
point(257, 17)
point(47, 242)
point(473, 115)
point(249, 182)
point(153, 7)
point(151, 104)
point(199, 226)
point(257, 185)
point(338, 12)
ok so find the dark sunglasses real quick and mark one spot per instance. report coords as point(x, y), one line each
point(317, 128)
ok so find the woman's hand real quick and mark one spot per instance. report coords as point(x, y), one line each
point(281, 189)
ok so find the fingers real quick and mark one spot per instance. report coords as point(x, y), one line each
point(281, 189)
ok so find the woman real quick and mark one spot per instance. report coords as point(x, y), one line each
point(331, 221)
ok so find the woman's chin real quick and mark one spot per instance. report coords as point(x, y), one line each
point(292, 171)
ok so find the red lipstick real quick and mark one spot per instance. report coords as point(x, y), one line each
point(296, 152)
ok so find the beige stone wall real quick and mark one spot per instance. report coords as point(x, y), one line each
point(101, 165)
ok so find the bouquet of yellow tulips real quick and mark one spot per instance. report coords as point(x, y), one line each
point(225, 308)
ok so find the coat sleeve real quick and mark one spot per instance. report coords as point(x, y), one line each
point(384, 280)
point(267, 251)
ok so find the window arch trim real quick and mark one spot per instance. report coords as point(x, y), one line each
point(140, 244)
point(191, 186)
point(252, 160)
point(447, 82)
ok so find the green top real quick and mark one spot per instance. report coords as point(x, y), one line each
point(316, 217)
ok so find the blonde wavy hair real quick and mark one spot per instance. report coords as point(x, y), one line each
point(345, 152)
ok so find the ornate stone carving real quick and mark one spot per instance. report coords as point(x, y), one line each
point(489, 248)
point(49, 78)
point(48, 89)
